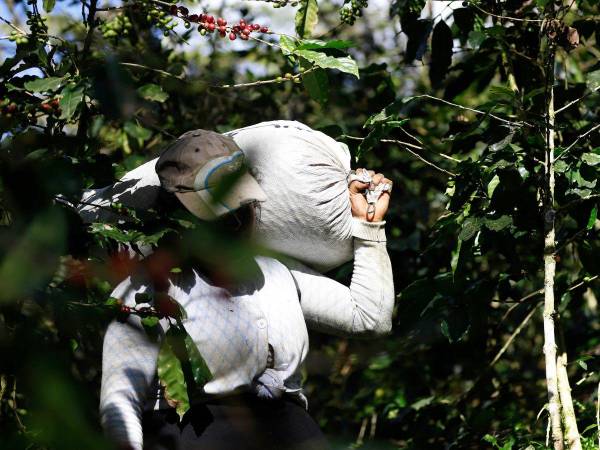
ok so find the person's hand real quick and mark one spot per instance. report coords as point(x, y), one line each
point(358, 202)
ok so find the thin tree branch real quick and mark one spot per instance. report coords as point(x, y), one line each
point(162, 72)
point(514, 335)
point(568, 105)
point(416, 155)
point(515, 19)
point(477, 111)
point(580, 137)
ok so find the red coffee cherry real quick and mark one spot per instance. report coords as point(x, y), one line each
point(264, 30)
point(221, 22)
point(210, 19)
point(232, 36)
point(211, 27)
point(255, 26)
point(193, 18)
point(173, 10)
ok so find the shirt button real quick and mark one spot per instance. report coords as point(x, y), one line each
point(262, 323)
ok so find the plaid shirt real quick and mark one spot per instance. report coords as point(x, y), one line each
point(233, 331)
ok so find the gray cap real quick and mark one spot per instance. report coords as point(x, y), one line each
point(194, 165)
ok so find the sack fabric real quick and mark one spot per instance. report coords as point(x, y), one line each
point(304, 174)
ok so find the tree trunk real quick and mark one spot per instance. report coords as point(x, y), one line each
point(554, 406)
point(564, 389)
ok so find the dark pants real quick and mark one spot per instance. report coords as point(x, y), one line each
point(242, 422)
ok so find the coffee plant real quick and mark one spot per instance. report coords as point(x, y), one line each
point(484, 113)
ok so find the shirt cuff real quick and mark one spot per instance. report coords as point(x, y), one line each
point(368, 231)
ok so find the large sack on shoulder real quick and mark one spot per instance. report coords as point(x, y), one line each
point(303, 172)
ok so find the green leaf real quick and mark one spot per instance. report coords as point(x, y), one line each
point(200, 370)
point(344, 64)
point(455, 257)
point(592, 218)
point(307, 17)
point(498, 224)
point(476, 38)
point(379, 131)
point(44, 84)
point(153, 92)
point(49, 5)
point(491, 187)
point(470, 228)
point(287, 45)
point(422, 403)
point(136, 131)
point(316, 83)
point(150, 322)
point(170, 374)
point(312, 44)
point(593, 79)
point(560, 166)
point(112, 301)
point(591, 159)
point(72, 97)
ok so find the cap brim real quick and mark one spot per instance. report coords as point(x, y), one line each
point(203, 205)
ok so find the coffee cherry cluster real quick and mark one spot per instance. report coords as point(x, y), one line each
point(51, 107)
point(117, 27)
point(18, 38)
point(8, 108)
point(208, 24)
point(282, 3)
point(290, 77)
point(351, 10)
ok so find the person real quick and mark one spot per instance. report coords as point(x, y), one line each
point(252, 335)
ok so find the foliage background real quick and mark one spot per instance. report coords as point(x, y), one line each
point(466, 226)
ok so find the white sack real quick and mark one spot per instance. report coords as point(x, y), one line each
point(304, 174)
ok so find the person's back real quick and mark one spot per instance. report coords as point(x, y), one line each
point(252, 335)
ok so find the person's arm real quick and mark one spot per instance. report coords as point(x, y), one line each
point(129, 361)
point(364, 308)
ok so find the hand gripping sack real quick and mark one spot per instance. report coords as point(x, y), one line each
point(303, 172)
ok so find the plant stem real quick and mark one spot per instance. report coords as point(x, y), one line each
point(550, 314)
point(564, 389)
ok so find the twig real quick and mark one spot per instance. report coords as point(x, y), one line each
point(162, 72)
point(416, 155)
point(568, 105)
point(477, 111)
point(514, 335)
point(598, 414)
point(569, 240)
point(10, 24)
point(576, 202)
point(580, 137)
point(516, 19)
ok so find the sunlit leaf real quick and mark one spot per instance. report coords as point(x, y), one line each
point(307, 17)
point(171, 378)
point(45, 84)
point(344, 64)
point(153, 92)
point(592, 219)
point(72, 97)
